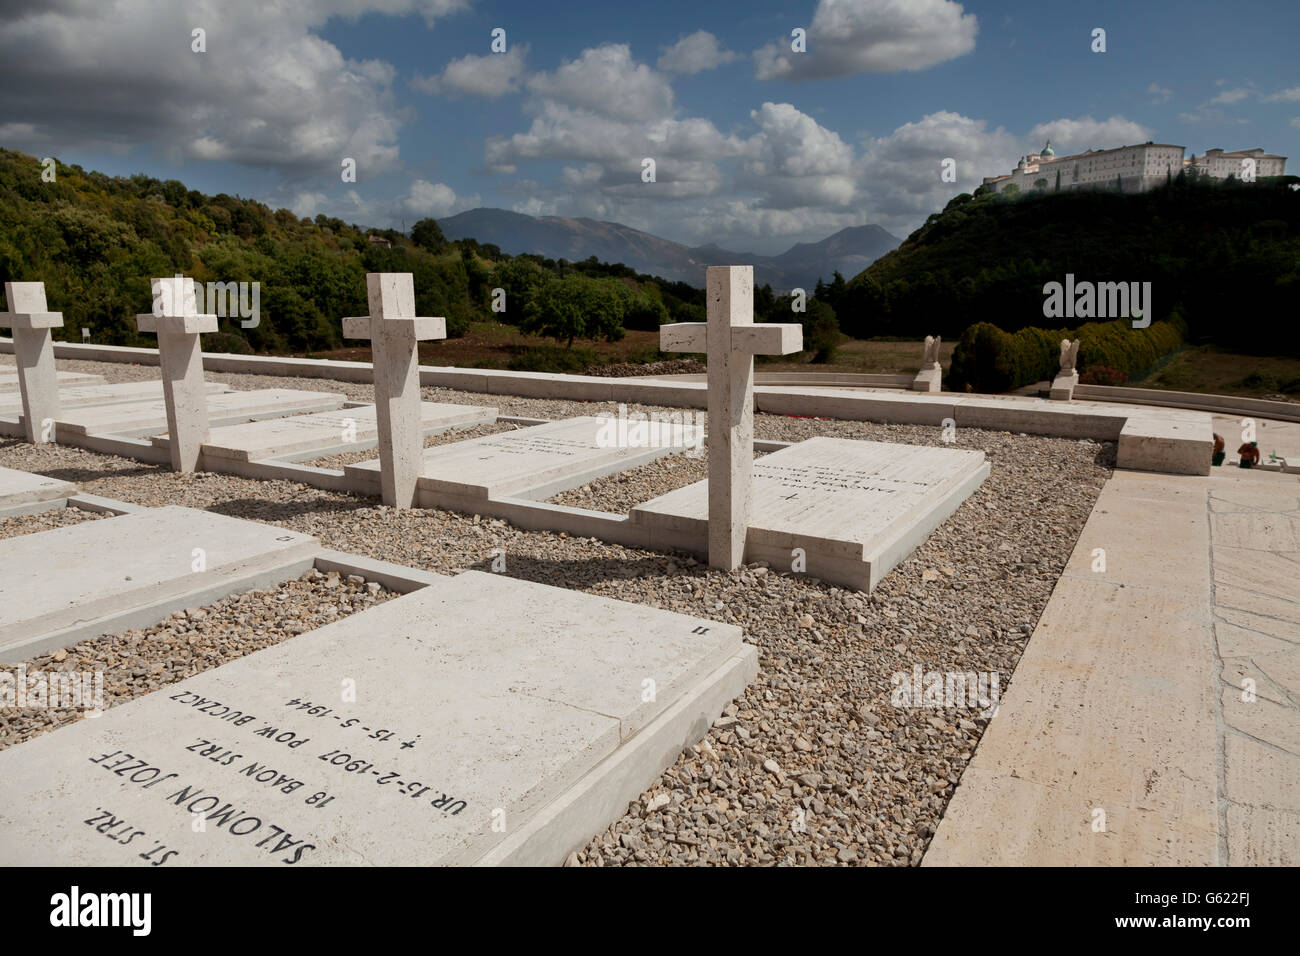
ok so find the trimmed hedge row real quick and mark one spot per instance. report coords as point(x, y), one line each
point(987, 359)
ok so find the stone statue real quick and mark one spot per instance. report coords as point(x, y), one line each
point(1069, 354)
point(931, 359)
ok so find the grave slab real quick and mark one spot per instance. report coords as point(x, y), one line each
point(277, 437)
point(144, 418)
point(857, 508)
point(9, 380)
point(22, 491)
point(60, 586)
point(116, 393)
point(536, 461)
point(480, 700)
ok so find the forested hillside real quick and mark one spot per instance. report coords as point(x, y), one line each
point(1224, 255)
point(96, 240)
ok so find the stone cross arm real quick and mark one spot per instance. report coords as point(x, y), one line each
point(759, 339)
point(31, 320)
point(27, 309)
point(173, 310)
point(188, 324)
point(425, 327)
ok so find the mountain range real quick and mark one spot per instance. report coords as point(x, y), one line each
point(557, 237)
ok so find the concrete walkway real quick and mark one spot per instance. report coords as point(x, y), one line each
point(1124, 739)
point(1255, 537)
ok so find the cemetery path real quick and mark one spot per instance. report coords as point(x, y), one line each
point(1255, 537)
point(1154, 718)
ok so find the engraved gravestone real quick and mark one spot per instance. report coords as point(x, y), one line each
point(302, 434)
point(854, 508)
point(518, 463)
point(479, 719)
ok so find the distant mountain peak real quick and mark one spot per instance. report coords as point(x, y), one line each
point(560, 237)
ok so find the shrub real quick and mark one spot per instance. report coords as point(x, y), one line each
point(989, 360)
point(1102, 375)
point(821, 333)
point(227, 342)
point(1258, 381)
point(552, 358)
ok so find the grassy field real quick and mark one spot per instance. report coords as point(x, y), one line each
point(868, 355)
point(496, 345)
point(1206, 369)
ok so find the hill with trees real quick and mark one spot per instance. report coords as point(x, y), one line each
point(97, 240)
point(1223, 255)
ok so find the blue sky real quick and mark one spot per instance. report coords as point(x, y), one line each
point(756, 147)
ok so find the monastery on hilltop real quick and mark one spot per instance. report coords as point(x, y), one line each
point(1133, 169)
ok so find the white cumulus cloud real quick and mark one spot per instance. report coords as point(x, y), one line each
point(872, 36)
point(269, 91)
point(607, 81)
point(1077, 135)
point(436, 200)
point(490, 76)
point(695, 53)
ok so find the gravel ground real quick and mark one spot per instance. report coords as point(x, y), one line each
point(45, 521)
point(138, 661)
point(812, 764)
point(630, 369)
point(619, 493)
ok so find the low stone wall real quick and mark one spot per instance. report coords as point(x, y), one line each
point(813, 379)
point(1180, 447)
point(1218, 404)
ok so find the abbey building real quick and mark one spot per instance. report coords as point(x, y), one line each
point(1132, 168)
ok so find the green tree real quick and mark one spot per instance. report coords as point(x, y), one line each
point(427, 234)
point(821, 331)
point(521, 279)
point(575, 307)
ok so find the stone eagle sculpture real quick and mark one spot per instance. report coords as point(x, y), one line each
point(1069, 354)
point(931, 359)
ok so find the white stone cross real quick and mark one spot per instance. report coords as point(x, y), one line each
point(34, 351)
point(178, 324)
point(730, 339)
point(393, 330)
